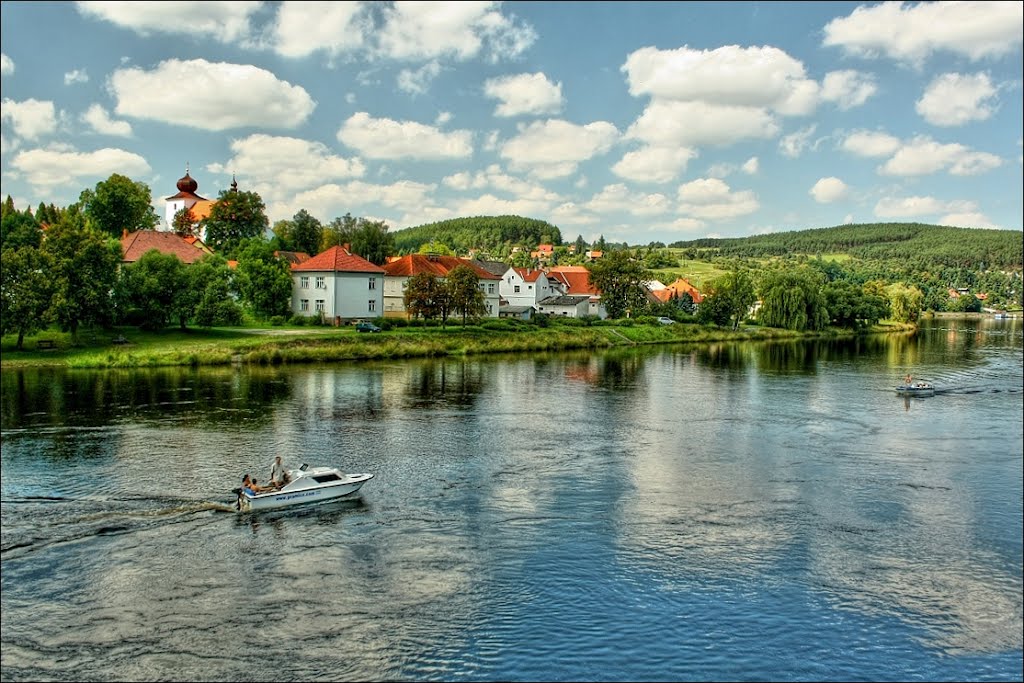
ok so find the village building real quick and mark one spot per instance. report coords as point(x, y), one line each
point(188, 249)
point(399, 270)
point(338, 286)
point(186, 198)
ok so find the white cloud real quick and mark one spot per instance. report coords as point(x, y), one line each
point(210, 96)
point(794, 144)
point(331, 200)
point(695, 124)
point(98, 118)
point(711, 198)
point(914, 32)
point(302, 28)
point(281, 167)
point(389, 139)
point(654, 164)
point(554, 148)
point(955, 99)
point(495, 179)
point(969, 219)
point(916, 207)
point(30, 119)
point(617, 198)
point(76, 76)
point(828, 190)
point(50, 168)
point(756, 77)
point(443, 118)
point(848, 89)
point(6, 65)
point(461, 30)
point(417, 81)
point(870, 144)
point(751, 166)
point(922, 156)
point(531, 94)
point(226, 21)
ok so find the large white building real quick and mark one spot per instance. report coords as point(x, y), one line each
point(187, 198)
point(339, 286)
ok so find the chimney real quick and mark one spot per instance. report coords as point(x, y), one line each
point(347, 247)
point(124, 232)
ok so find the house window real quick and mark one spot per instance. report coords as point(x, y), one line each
point(516, 290)
point(304, 282)
point(530, 287)
point(304, 305)
point(371, 305)
point(373, 283)
point(320, 282)
point(320, 306)
point(490, 288)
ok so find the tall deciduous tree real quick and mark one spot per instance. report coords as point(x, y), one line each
point(235, 217)
point(427, 297)
point(19, 229)
point(373, 242)
point(306, 233)
point(210, 298)
point(184, 222)
point(792, 299)
point(727, 299)
point(154, 287)
point(85, 265)
point(26, 288)
point(620, 279)
point(118, 204)
point(264, 281)
point(905, 301)
point(464, 291)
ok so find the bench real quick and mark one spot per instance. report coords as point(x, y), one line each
point(48, 344)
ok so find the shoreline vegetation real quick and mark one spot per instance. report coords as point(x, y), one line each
point(122, 348)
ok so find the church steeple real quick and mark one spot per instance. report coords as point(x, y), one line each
point(234, 183)
point(187, 183)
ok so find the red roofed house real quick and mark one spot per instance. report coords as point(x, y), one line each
point(398, 271)
point(135, 244)
point(527, 286)
point(575, 281)
point(337, 285)
point(676, 290)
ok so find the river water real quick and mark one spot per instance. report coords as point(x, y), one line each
point(724, 512)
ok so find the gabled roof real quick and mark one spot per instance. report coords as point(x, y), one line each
point(201, 209)
point(576, 279)
point(436, 265)
point(337, 260)
point(564, 300)
point(529, 274)
point(135, 244)
point(677, 288)
point(293, 257)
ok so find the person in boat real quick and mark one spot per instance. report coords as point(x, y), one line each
point(908, 381)
point(252, 486)
point(278, 474)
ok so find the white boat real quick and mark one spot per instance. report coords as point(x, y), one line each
point(916, 389)
point(305, 485)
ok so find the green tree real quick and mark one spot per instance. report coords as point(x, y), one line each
point(184, 222)
point(464, 292)
point(117, 204)
point(306, 233)
point(338, 232)
point(727, 299)
point(851, 306)
point(264, 281)
point(26, 288)
point(236, 217)
point(621, 281)
point(210, 294)
point(85, 266)
point(153, 289)
point(19, 229)
point(425, 296)
point(905, 302)
point(372, 241)
point(436, 248)
point(581, 246)
point(791, 299)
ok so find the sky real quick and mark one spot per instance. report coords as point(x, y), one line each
point(637, 122)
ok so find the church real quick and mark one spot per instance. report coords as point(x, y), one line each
point(186, 198)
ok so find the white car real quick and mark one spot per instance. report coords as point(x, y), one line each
point(666, 321)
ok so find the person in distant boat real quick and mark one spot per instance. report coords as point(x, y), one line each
point(278, 474)
point(908, 380)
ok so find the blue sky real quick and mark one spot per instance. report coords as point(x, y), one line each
point(635, 121)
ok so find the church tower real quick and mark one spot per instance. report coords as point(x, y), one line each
point(186, 198)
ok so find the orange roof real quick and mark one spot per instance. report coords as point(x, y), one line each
point(135, 244)
point(529, 274)
point(293, 257)
point(437, 265)
point(338, 260)
point(680, 286)
point(201, 209)
point(575, 278)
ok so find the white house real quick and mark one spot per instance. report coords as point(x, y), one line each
point(566, 305)
point(187, 198)
point(398, 272)
point(527, 286)
point(338, 285)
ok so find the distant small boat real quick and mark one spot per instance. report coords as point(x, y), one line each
point(1002, 316)
point(916, 389)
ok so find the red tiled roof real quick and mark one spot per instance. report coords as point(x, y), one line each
point(135, 244)
point(529, 274)
point(293, 257)
point(682, 285)
point(439, 266)
point(338, 260)
point(575, 278)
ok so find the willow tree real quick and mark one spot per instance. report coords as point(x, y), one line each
point(791, 298)
point(905, 301)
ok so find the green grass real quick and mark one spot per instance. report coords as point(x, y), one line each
point(279, 346)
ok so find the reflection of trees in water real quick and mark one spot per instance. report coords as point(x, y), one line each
point(454, 383)
point(84, 397)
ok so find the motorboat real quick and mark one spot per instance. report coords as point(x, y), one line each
point(916, 389)
point(305, 485)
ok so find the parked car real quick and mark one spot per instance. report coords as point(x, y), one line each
point(366, 327)
point(666, 321)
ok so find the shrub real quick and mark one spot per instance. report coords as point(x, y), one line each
point(276, 320)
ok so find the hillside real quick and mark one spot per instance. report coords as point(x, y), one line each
point(495, 234)
point(916, 245)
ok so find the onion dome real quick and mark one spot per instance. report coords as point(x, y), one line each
point(188, 183)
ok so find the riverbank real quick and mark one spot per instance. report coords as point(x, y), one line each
point(131, 348)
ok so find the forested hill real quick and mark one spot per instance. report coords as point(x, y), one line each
point(917, 245)
point(496, 234)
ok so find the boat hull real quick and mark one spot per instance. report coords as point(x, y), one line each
point(346, 488)
point(915, 391)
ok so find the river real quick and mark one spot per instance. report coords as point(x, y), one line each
point(740, 511)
